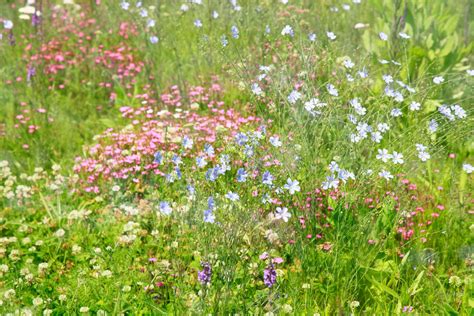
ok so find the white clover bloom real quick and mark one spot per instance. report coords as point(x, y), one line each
point(60, 233)
point(37, 301)
point(84, 309)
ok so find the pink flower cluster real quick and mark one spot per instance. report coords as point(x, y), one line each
point(128, 154)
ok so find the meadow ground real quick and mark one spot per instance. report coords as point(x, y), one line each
point(236, 157)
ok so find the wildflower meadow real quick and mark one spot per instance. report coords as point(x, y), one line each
point(236, 157)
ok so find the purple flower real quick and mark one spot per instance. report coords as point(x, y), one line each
point(269, 275)
point(204, 275)
point(31, 72)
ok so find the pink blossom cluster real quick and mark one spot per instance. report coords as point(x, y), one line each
point(128, 154)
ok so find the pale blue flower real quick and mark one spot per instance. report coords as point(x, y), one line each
point(292, 186)
point(165, 208)
point(232, 196)
point(241, 175)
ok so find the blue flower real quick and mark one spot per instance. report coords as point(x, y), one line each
point(241, 175)
point(267, 178)
point(187, 142)
point(235, 31)
point(176, 160)
point(331, 182)
point(211, 204)
point(178, 172)
point(158, 158)
point(232, 196)
point(248, 151)
point(275, 141)
point(224, 41)
point(241, 139)
point(165, 208)
point(209, 150)
point(212, 174)
point(201, 162)
point(191, 189)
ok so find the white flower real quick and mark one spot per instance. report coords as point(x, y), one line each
point(376, 137)
point(470, 72)
point(331, 36)
point(294, 97)
point(383, 127)
point(383, 155)
point(360, 26)
point(287, 30)
point(7, 24)
point(458, 111)
point(331, 182)
point(332, 90)
point(37, 301)
point(385, 174)
point(84, 309)
point(383, 36)
point(256, 89)
point(275, 141)
point(154, 39)
point(282, 213)
point(397, 158)
point(292, 186)
point(414, 106)
point(468, 168)
point(424, 156)
point(312, 37)
point(438, 80)
point(396, 112)
point(404, 35)
point(125, 5)
point(198, 23)
point(59, 233)
point(348, 63)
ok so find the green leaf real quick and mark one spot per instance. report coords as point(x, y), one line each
point(414, 287)
point(384, 288)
